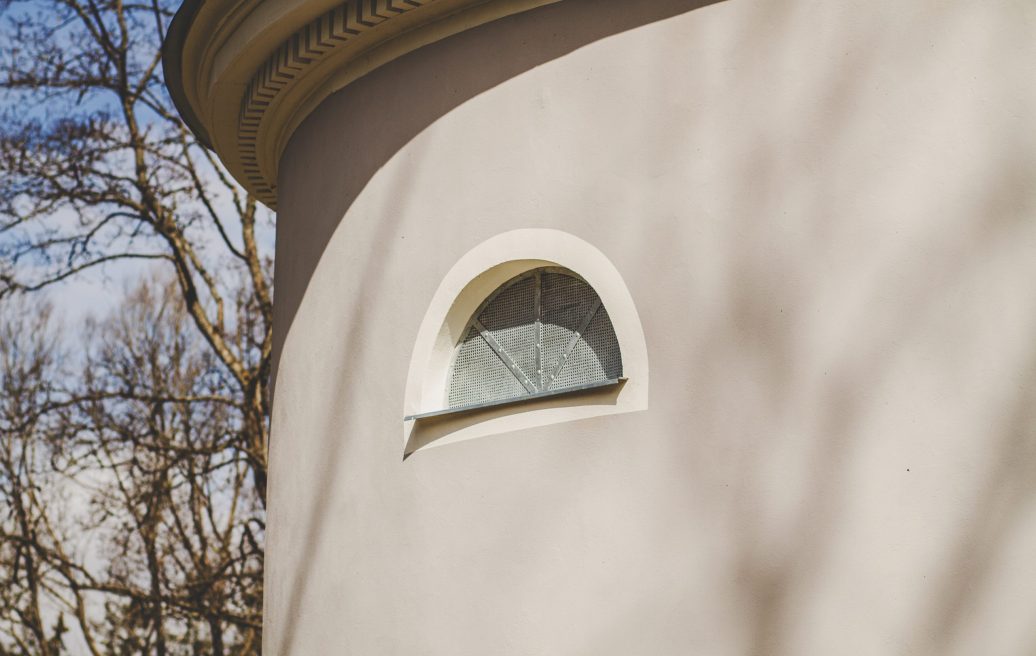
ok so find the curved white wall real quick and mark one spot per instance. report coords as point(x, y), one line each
point(825, 215)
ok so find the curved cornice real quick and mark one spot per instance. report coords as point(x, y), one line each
point(173, 70)
point(245, 73)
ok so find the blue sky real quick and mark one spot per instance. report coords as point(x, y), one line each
point(98, 291)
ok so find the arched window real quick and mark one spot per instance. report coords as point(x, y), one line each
point(544, 332)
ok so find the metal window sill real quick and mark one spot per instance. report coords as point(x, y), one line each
point(474, 407)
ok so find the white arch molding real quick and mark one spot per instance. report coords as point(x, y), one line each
point(473, 278)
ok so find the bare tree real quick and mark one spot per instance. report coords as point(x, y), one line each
point(130, 510)
point(27, 362)
point(133, 468)
point(103, 170)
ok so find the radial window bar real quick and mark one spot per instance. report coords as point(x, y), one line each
point(541, 334)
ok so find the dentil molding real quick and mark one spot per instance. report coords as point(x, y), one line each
point(245, 73)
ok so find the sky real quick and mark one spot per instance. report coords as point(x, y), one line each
point(96, 292)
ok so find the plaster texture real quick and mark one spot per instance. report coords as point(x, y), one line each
point(825, 215)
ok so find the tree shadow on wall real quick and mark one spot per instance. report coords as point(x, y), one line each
point(394, 105)
point(911, 300)
point(773, 575)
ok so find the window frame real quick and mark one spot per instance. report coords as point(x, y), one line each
point(532, 396)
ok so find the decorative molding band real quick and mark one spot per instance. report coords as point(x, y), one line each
point(244, 74)
point(306, 48)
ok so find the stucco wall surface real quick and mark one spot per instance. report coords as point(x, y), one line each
point(825, 213)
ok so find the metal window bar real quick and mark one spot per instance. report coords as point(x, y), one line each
point(463, 409)
point(515, 335)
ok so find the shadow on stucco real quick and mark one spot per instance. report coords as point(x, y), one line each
point(394, 105)
point(776, 568)
point(779, 569)
point(404, 97)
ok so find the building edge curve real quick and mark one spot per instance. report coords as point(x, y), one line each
point(172, 67)
point(243, 74)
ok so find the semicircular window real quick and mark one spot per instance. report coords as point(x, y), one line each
point(544, 332)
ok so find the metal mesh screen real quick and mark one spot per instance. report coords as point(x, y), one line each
point(479, 375)
point(543, 331)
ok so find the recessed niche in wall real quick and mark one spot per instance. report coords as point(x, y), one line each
point(543, 333)
point(524, 342)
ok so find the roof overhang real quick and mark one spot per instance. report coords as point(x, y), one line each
point(245, 73)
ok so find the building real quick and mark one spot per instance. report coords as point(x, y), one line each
point(640, 327)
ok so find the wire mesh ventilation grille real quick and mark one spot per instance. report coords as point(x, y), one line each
point(544, 331)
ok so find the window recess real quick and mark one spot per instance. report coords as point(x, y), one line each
point(541, 334)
